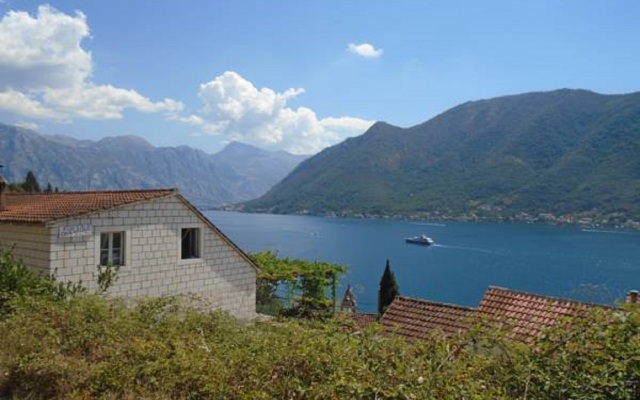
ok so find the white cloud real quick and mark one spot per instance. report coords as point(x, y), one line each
point(233, 107)
point(28, 125)
point(45, 73)
point(365, 50)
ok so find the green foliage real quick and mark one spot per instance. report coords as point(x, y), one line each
point(388, 289)
point(16, 280)
point(305, 283)
point(86, 346)
point(15, 188)
point(92, 347)
point(107, 276)
point(599, 355)
point(31, 184)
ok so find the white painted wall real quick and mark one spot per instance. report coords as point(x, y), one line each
point(222, 276)
point(29, 243)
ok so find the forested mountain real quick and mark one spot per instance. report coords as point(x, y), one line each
point(239, 172)
point(565, 152)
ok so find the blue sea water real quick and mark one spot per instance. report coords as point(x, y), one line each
point(583, 264)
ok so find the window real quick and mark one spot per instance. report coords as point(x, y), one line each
point(190, 243)
point(112, 248)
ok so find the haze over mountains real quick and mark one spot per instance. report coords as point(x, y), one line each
point(565, 152)
point(237, 173)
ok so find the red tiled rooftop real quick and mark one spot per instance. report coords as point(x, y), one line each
point(364, 319)
point(524, 316)
point(527, 315)
point(420, 319)
point(45, 207)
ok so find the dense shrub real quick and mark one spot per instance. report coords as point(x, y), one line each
point(89, 346)
point(17, 280)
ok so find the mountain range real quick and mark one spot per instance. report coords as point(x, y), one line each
point(559, 154)
point(237, 173)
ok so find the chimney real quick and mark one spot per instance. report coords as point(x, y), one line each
point(632, 297)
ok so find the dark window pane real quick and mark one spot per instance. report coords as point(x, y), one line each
point(104, 241)
point(190, 243)
point(116, 239)
point(115, 258)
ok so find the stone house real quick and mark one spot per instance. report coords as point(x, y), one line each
point(161, 244)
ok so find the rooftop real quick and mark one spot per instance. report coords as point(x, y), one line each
point(420, 319)
point(524, 316)
point(45, 207)
point(527, 315)
point(364, 319)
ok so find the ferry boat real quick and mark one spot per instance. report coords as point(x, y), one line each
point(422, 239)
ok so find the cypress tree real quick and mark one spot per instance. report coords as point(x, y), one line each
point(388, 289)
point(31, 184)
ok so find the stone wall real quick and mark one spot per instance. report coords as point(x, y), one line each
point(221, 277)
point(28, 243)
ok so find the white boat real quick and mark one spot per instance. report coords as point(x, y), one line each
point(422, 239)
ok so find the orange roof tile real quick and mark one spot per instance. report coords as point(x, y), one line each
point(420, 319)
point(527, 315)
point(45, 207)
point(364, 319)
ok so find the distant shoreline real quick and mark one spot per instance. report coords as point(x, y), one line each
point(577, 220)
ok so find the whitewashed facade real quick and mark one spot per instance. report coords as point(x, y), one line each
point(162, 246)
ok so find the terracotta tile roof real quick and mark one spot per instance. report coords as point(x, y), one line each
point(524, 316)
point(420, 319)
point(364, 319)
point(527, 315)
point(45, 207)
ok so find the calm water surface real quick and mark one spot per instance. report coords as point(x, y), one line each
point(588, 265)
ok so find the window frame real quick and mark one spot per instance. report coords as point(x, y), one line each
point(198, 242)
point(125, 245)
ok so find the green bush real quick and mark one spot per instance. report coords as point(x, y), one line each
point(92, 347)
point(17, 280)
point(88, 346)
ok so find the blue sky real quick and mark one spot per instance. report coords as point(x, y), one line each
point(294, 75)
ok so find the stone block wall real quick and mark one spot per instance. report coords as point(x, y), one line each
point(221, 277)
point(28, 243)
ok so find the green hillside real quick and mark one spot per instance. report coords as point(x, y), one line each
point(566, 152)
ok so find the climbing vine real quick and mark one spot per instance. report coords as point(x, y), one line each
point(295, 286)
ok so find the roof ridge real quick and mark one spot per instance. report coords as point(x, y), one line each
point(47, 207)
point(543, 296)
point(438, 303)
point(106, 191)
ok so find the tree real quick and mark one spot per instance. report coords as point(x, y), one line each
point(31, 184)
point(388, 289)
point(49, 188)
point(306, 284)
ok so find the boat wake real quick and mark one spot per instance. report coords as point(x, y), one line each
point(444, 246)
point(609, 231)
point(428, 224)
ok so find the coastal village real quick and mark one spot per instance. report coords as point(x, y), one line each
point(162, 245)
point(196, 200)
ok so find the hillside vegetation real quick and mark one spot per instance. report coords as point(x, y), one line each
point(567, 153)
point(59, 342)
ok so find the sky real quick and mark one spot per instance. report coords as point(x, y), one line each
point(294, 75)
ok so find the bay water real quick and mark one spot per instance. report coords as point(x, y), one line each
point(595, 265)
